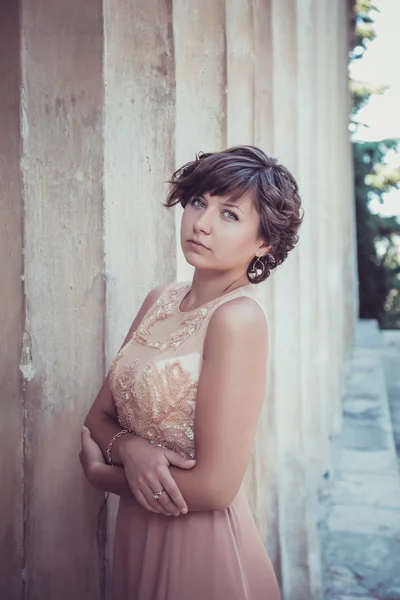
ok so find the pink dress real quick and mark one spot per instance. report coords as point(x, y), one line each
point(213, 555)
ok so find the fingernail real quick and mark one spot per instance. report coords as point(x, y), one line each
point(184, 511)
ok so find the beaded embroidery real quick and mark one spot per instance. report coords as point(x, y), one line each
point(164, 307)
point(165, 415)
point(155, 404)
point(122, 386)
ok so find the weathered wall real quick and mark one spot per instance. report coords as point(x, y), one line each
point(113, 98)
point(200, 74)
point(139, 122)
point(11, 310)
point(61, 167)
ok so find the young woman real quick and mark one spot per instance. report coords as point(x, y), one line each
point(184, 530)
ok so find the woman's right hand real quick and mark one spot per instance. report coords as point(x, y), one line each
point(147, 470)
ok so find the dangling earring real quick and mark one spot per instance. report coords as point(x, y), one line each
point(257, 269)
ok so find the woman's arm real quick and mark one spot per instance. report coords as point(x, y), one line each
point(229, 399)
point(101, 476)
point(102, 417)
point(148, 461)
point(146, 465)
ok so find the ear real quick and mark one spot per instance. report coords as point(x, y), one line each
point(264, 249)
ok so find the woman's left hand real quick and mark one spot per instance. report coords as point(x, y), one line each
point(90, 454)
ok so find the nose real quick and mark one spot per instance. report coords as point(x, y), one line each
point(203, 223)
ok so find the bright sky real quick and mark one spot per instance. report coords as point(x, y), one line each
point(381, 65)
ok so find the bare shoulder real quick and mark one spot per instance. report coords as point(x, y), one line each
point(155, 293)
point(238, 321)
point(238, 314)
point(148, 302)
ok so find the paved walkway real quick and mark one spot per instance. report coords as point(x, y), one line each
point(360, 508)
point(391, 363)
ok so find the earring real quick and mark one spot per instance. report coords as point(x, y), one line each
point(257, 269)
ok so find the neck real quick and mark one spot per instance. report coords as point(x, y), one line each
point(207, 286)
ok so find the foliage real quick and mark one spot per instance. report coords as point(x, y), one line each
point(364, 30)
point(377, 237)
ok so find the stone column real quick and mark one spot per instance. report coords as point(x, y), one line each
point(287, 347)
point(199, 41)
point(262, 475)
point(240, 65)
point(11, 311)
point(61, 142)
point(324, 203)
point(139, 122)
point(308, 298)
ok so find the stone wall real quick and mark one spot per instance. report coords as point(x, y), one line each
point(98, 104)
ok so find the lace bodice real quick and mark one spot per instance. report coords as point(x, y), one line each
point(154, 377)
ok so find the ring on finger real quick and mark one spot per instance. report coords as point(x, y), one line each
point(157, 495)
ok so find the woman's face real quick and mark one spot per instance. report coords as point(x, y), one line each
point(217, 234)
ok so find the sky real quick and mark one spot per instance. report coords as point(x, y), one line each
point(381, 65)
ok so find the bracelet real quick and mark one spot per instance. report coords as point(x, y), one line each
point(111, 444)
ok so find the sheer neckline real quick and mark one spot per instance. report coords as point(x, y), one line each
point(186, 289)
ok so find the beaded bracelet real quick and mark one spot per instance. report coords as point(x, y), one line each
point(113, 440)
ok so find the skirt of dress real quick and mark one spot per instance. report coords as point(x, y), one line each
point(216, 555)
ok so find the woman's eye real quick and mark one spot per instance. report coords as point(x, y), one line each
point(197, 202)
point(230, 215)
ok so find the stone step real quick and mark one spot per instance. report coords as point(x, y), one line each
point(391, 362)
point(360, 523)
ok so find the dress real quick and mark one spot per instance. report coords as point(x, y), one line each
point(213, 555)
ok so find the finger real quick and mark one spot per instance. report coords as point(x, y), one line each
point(173, 492)
point(179, 461)
point(85, 436)
point(143, 502)
point(156, 483)
point(156, 504)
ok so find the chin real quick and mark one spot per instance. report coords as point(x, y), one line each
point(194, 260)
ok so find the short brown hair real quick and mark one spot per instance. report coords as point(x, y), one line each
point(236, 171)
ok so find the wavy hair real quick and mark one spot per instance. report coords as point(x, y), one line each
point(243, 169)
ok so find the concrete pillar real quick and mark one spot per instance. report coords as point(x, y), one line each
point(240, 72)
point(139, 156)
point(349, 251)
point(261, 475)
point(139, 123)
point(287, 347)
point(335, 282)
point(323, 158)
point(61, 120)
point(11, 311)
point(347, 207)
point(200, 67)
point(308, 299)
point(263, 92)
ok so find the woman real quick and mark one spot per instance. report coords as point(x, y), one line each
point(184, 529)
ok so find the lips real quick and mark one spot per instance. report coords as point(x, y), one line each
point(198, 244)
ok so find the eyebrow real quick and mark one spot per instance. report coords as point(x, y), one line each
point(230, 204)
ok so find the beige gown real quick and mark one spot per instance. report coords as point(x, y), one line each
point(213, 555)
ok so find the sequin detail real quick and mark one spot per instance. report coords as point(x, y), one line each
point(122, 387)
point(155, 404)
point(165, 415)
point(166, 306)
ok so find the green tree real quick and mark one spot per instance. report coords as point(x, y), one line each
point(377, 237)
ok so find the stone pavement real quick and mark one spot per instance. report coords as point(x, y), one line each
point(391, 363)
point(360, 506)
